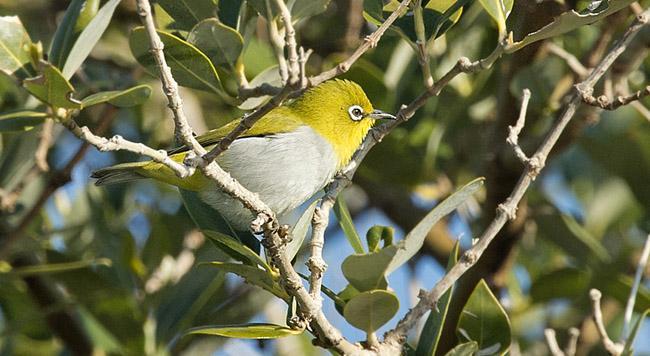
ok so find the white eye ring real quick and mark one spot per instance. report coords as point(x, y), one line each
point(355, 112)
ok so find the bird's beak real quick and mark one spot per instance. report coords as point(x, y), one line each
point(378, 114)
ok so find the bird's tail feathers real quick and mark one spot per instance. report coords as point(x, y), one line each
point(121, 173)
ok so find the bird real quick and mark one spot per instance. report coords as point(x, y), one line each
point(286, 157)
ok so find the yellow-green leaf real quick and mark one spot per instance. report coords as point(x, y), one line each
point(23, 120)
point(52, 88)
point(14, 47)
point(246, 331)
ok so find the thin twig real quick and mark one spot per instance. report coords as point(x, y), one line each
point(507, 210)
point(572, 61)
point(605, 103)
point(551, 341)
point(40, 156)
point(629, 307)
point(611, 347)
point(514, 131)
point(277, 42)
point(572, 344)
point(290, 42)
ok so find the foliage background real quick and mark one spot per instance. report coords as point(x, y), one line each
point(581, 226)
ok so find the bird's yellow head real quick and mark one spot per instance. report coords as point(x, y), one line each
point(340, 111)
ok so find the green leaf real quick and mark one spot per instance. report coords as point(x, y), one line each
point(627, 349)
point(242, 253)
point(370, 310)
point(299, 230)
point(14, 47)
point(345, 220)
point(483, 320)
point(306, 8)
point(52, 88)
point(575, 240)
point(57, 267)
point(65, 34)
point(569, 21)
point(379, 233)
point(374, 8)
point(228, 11)
point(121, 98)
point(254, 276)
point(222, 44)
point(23, 120)
point(190, 67)
point(246, 331)
point(465, 349)
point(188, 13)
point(430, 335)
point(88, 38)
point(368, 271)
point(499, 11)
point(413, 241)
point(88, 12)
point(567, 282)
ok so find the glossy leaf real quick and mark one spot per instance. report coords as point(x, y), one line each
point(367, 271)
point(254, 276)
point(370, 310)
point(242, 253)
point(14, 47)
point(52, 88)
point(483, 320)
point(66, 33)
point(464, 349)
point(628, 349)
point(413, 241)
point(121, 98)
point(88, 38)
point(347, 225)
point(299, 230)
point(221, 44)
point(499, 11)
point(190, 67)
point(569, 21)
point(246, 331)
point(188, 13)
point(430, 334)
point(23, 120)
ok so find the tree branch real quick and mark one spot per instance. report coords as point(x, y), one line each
point(611, 347)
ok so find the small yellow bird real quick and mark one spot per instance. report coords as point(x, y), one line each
point(286, 157)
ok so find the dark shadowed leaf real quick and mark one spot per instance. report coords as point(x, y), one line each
point(52, 88)
point(14, 47)
point(306, 8)
point(345, 220)
point(563, 283)
point(65, 34)
point(228, 11)
point(241, 252)
point(23, 120)
point(430, 335)
point(246, 331)
point(88, 38)
point(483, 320)
point(58, 267)
point(188, 13)
point(120, 98)
point(370, 310)
point(190, 67)
point(222, 44)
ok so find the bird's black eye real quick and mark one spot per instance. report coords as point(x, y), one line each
point(356, 112)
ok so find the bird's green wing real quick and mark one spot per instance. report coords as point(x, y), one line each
point(277, 121)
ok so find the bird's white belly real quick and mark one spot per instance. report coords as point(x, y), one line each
point(284, 170)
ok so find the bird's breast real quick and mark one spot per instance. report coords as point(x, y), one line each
point(285, 170)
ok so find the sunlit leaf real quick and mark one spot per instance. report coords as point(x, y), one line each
point(14, 47)
point(88, 38)
point(464, 349)
point(483, 320)
point(347, 225)
point(23, 120)
point(370, 310)
point(52, 88)
point(368, 270)
point(121, 98)
point(246, 331)
point(190, 67)
point(499, 11)
point(569, 21)
point(243, 254)
point(413, 241)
